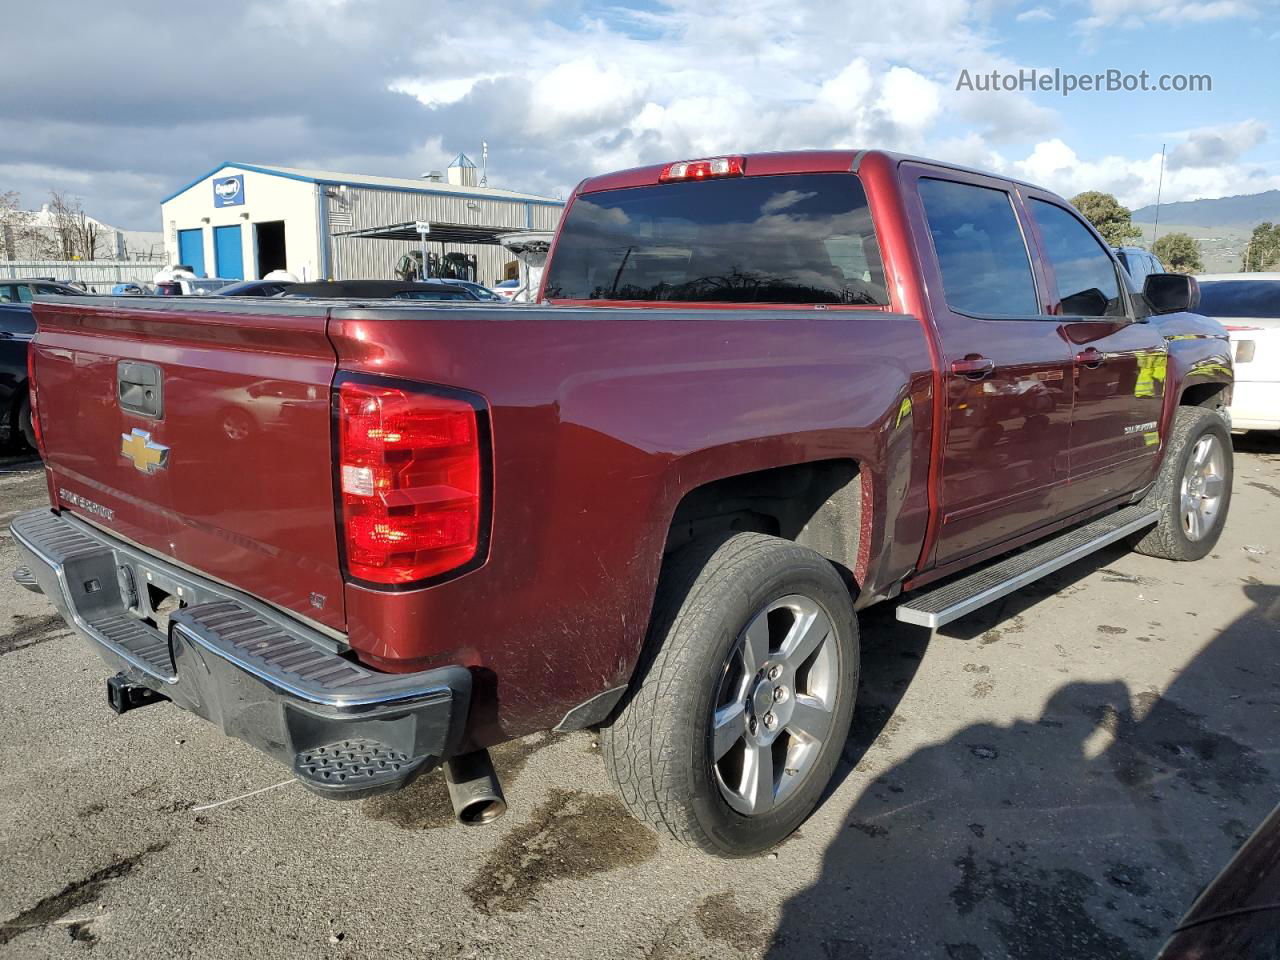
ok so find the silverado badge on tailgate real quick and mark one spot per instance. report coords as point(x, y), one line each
point(146, 455)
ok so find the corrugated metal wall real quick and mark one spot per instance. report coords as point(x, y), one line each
point(376, 259)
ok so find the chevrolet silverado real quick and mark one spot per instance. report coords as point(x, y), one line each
point(759, 394)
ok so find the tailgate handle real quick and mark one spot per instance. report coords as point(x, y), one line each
point(140, 388)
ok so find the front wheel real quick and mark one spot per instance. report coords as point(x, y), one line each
point(736, 718)
point(1193, 490)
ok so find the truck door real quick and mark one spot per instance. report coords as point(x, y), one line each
point(1006, 364)
point(1119, 362)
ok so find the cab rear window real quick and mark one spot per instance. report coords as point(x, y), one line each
point(799, 238)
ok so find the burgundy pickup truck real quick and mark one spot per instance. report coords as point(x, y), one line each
point(760, 393)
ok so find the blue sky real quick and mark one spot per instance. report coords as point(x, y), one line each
point(563, 90)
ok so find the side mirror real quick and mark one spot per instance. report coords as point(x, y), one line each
point(1171, 292)
point(1086, 303)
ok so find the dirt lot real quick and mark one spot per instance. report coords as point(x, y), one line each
point(1053, 777)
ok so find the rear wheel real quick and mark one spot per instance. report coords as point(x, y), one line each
point(735, 722)
point(25, 427)
point(1193, 491)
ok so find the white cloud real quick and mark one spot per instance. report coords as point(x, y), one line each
point(1035, 15)
point(1055, 165)
point(1215, 146)
point(1133, 14)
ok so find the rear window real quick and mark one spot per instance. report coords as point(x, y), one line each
point(799, 238)
point(986, 271)
point(1240, 298)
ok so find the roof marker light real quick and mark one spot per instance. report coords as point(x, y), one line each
point(703, 169)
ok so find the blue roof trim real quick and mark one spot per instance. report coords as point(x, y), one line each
point(462, 160)
point(268, 171)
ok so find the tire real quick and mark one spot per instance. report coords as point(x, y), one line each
point(25, 427)
point(1176, 492)
point(659, 749)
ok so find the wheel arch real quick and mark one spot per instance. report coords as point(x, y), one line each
point(819, 504)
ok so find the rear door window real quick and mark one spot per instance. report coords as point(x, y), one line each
point(986, 271)
point(1257, 299)
point(796, 238)
point(1087, 282)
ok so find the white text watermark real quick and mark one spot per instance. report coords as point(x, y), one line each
point(1032, 80)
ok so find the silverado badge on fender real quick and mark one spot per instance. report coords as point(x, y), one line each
point(146, 455)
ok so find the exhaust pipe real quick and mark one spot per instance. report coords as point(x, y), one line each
point(474, 789)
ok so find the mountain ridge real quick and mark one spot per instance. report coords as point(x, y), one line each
point(1243, 210)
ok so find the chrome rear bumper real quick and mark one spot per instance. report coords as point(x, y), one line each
point(345, 730)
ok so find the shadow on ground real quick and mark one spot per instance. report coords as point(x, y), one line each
point(1085, 833)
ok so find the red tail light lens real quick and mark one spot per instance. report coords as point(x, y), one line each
point(703, 169)
point(410, 474)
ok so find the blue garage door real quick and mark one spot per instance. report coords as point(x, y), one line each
point(228, 252)
point(191, 250)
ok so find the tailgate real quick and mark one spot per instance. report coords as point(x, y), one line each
point(199, 430)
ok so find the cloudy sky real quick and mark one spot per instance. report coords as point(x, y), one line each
point(120, 104)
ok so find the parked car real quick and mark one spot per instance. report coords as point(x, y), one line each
point(507, 289)
point(17, 327)
point(192, 286)
point(381, 290)
point(767, 392)
point(25, 290)
point(479, 289)
point(1139, 263)
point(255, 288)
point(1238, 915)
point(1248, 304)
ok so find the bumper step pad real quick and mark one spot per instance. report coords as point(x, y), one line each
point(355, 764)
point(953, 600)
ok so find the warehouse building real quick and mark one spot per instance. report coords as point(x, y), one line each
point(243, 220)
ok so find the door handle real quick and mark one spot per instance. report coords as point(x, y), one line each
point(973, 366)
point(1091, 357)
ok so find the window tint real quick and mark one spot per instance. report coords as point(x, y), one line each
point(1240, 298)
point(24, 292)
point(985, 267)
point(8, 294)
point(797, 238)
point(1087, 281)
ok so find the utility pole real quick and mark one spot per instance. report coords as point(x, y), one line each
point(1155, 226)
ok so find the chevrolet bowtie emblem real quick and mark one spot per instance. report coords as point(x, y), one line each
point(138, 448)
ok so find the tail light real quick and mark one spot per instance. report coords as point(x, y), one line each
point(35, 409)
point(412, 480)
point(703, 169)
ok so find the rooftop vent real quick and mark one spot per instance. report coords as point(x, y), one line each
point(435, 176)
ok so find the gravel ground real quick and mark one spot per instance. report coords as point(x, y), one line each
point(1056, 776)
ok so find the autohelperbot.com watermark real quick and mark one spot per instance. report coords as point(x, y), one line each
point(1065, 82)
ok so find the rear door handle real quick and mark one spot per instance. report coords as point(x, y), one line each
point(1091, 357)
point(973, 366)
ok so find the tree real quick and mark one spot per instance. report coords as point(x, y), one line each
point(1179, 252)
point(18, 238)
point(75, 236)
point(1108, 217)
point(1263, 252)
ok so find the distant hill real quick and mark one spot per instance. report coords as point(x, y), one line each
point(1242, 211)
